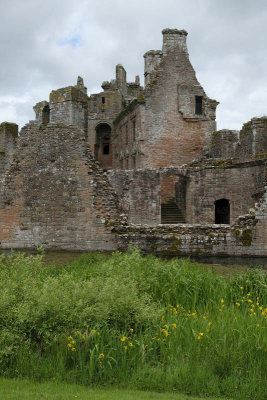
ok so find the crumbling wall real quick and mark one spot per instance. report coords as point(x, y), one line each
point(223, 144)
point(246, 237)
point(242, 184)
point(249, 143)
point(139, 194)
point(55, 195)
point(8, 143)
point(70, 106)
point(253, 140)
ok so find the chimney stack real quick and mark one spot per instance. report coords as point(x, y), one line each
point(174, 38)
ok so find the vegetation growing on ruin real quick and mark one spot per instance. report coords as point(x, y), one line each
point(243, 235)
point(134, 322)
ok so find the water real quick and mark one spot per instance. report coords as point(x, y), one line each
point(242, 263)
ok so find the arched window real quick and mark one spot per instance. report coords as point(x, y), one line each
point(222, 211)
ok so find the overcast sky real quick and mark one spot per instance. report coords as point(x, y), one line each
point(45, 45)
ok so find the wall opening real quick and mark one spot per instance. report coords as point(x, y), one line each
point(222, 211)
point(198, 105)
point(45, 115)
point(103, 145)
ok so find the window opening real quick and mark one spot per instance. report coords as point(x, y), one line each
point(134, 130)
point(106, 148)
point(126, 134)
point(222, 211)
point(103, 100)
point(45, 115)
point(199, 105)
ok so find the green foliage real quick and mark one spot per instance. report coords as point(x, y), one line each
point(134, 321)
point(53, 390)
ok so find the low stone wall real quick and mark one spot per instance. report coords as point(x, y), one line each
point(196, 240)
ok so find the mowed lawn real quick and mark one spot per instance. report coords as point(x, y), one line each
point(23, 389)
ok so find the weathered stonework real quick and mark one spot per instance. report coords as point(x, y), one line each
point(56, 195)
point(134, 165)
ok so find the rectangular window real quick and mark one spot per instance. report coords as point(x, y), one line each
point(103, 100)
point(199, 105)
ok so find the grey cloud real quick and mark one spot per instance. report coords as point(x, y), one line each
point(227, 42)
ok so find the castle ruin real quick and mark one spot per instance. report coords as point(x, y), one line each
point(135, 165)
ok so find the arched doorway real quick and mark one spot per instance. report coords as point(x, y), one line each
point(103, 146)
point(222, 211)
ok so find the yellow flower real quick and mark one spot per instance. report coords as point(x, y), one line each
point(237, 304)
point(131, 330)
point(260, 308)
point(241, 287)
point(123, 338)
point(201, 334)
point(125, 348)
point(222, 301)
point(166, 326)
point(98, 333)
point(165, 332)
point(174, 325)
point(209, 323)
point(198, 338)
point(101, 355)
point(69, 338)
point(250, 301)
point(73, 342)
point(93, 331)
point(73, 349)
point(131, 344)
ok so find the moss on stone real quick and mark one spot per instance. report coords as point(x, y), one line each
point(174, 247)
point(243, 235)
point(224, 163)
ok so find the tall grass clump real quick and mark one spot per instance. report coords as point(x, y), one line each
point(134, 321)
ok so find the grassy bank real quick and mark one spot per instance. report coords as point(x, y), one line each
point(11, 389)
point(134, 322)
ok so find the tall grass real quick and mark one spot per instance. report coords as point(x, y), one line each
point(134, 321)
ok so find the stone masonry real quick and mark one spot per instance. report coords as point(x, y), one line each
point(135, 165)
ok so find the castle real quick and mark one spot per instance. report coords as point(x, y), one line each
point(135, 165)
